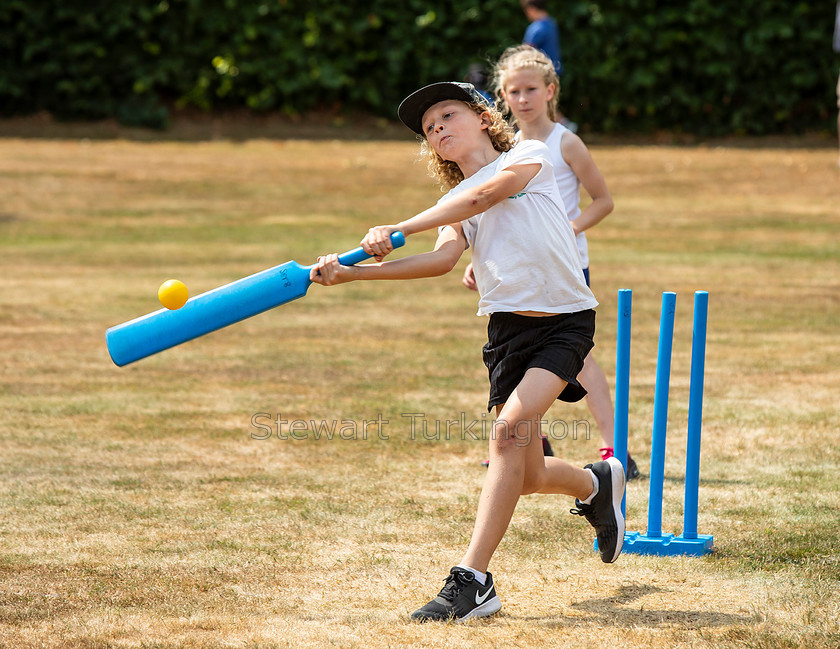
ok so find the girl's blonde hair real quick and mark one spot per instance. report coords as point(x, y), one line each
point(524, 57)
point(449, 174)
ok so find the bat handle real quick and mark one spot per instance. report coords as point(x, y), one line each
point(352, 257)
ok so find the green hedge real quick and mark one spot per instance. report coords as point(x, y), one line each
point(695, 66)
point(746, 66)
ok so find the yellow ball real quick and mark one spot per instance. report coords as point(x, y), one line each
point(173, 294)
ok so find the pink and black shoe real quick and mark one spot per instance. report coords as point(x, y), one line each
point(632, 470)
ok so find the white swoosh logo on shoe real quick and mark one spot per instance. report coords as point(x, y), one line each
point(480, 599)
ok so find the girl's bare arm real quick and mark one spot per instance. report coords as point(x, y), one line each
point(577, 156)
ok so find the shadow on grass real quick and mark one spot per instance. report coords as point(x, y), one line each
point(613, 612)
point(680, 479)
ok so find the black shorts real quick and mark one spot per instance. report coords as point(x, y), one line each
point(557, 343)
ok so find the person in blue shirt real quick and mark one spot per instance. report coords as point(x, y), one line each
point(543, 34)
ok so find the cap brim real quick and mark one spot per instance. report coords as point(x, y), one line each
point(414, 106)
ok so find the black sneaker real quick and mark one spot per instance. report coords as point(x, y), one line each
point(632, 470)
point(604, 514)
point(461, 598)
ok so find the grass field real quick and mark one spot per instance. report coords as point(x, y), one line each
point(140, 508)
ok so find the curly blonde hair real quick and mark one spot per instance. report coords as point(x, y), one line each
point(524, 57)
point(449, 174)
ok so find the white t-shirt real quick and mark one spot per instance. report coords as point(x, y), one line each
point(569, 185)
point(524, 254)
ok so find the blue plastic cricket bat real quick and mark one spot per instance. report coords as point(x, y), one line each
point(154, 332)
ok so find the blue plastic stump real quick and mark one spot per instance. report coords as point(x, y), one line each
point(622, 384)
point(622, 380)
point(701, 543)
point(654, 542)
point(660, 414)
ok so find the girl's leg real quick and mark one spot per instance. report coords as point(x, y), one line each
point(600, 404)
point(517, 465)
point(598, 399)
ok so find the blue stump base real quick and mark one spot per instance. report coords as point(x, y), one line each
point(666, 545)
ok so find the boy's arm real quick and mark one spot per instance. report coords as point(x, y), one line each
point(478, 199)
point(449, 247)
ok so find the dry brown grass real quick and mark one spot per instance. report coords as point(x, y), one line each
point(137, 509)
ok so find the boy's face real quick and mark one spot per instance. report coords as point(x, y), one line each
point(453, 129)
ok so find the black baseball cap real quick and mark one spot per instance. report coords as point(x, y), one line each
point(414, 106)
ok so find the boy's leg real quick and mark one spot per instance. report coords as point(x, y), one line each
point(518, 466)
